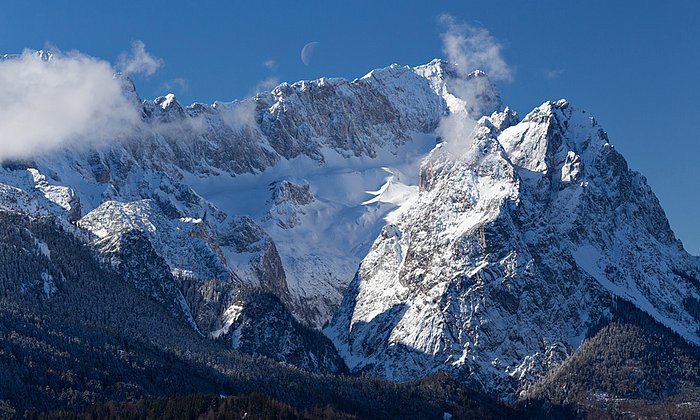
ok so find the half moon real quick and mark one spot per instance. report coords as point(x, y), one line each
point(307, 51)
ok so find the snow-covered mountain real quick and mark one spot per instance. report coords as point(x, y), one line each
point(514, 248)
point(273, 191)
point(487, 246)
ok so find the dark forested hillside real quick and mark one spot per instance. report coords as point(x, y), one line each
point(205, 406)
point(73, 333)
point(630, 364)
point(258, 406)
point(265, 327)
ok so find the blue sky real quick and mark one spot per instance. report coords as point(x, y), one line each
point(634, 66)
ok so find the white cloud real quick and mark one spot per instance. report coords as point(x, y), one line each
point(139, 61)
point(469, 48)
point(71, 99)
point(473, 48)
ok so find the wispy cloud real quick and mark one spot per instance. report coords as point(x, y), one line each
point(553, 73)
point(455, 130)
point(473, 48)
point(139, 61)
point(238, 115)
point(178, 84)
point(270, 64)
point(266, 85)
point(469, 48)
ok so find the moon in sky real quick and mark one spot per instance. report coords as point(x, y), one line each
point(308, 51)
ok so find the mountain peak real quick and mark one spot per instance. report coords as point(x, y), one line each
point(464, 91)
point(44, 55)
point(165, 102)
point(509, 254)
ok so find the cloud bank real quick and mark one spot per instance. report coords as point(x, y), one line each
point(52, 100)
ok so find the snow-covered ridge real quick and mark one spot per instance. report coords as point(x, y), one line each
point(336, 139)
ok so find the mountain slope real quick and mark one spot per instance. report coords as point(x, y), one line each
point(259, 324)
point(74, 332)
point(630, 364)
point(282, 192)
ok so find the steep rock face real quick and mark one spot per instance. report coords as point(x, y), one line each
point(355, 118)
point(27, 191)
point(181, 241)
point(260, 262)
point(136, 262)
point(513, 249)
point(288, 203)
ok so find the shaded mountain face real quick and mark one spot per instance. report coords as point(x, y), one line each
point(74, 331)
point(76, 334)
point(487, 245)
point(259, 323)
